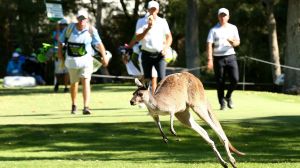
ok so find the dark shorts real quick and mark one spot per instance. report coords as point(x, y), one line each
point(153, 59)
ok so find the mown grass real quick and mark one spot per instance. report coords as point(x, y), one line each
point(37, 130)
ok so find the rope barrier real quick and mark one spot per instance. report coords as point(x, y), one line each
point(267, 62)
point(199, 68)
point(132, 77)
point(185, 69)
point(112, 76)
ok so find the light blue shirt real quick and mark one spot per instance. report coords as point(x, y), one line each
point(88, 36)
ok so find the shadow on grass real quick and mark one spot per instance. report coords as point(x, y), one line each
point(27, 115)
point(25, 91)
point(272, 139)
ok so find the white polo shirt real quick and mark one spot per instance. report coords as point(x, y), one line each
point(156, 36)
point(218, 36)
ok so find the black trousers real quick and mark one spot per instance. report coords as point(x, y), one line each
point(225, 65)
point(153, 59)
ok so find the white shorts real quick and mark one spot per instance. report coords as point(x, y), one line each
point(77, 74)
point(59, 68)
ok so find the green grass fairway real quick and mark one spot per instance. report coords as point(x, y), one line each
point(37, 130)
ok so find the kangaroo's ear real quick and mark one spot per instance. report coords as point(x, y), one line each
point(138, 83)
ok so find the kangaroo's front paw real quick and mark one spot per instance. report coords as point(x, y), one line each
point(166, 140)
point(173, 131)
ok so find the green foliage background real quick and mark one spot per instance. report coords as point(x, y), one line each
point(24, 24)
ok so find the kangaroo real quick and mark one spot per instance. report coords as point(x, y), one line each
point(174, 96)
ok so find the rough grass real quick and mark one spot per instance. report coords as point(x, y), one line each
point(37, 130)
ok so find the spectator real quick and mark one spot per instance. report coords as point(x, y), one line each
point(79, 38)
point(14, 66)
point(155, 36)
point(21, 56)
point(136, 57)
point(60, 71)
point(33, 68)
point(221, 40)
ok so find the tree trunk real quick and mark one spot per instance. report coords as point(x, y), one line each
point(192, 37)
point(125, 9)
point(273, 42)
point(292, 58)
point(99, 14)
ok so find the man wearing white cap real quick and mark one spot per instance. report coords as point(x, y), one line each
point(221, 40)
point(155, 36)
point(79, 38)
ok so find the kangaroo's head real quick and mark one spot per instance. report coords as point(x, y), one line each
point(140, 95)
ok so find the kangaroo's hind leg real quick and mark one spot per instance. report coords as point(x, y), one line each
point(172, 124)
point(187, 119)
point(203, 113)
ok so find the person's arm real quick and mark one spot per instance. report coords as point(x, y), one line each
point(209, 51)
point(60, 41)
point(167, 43)
point(104, 59)
point(140, 36)
point(131, 43)
point(99, 46)
point(8, 68)
point(169, 39)
point(234, 42)
point(60, 52)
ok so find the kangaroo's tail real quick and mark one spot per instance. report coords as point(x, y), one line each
point(234, 150)
point(217, 123)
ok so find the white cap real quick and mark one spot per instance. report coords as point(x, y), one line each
point(82, 14)
point(223, 10)
point(15, 54)
point(63, 21)
point(153, 4)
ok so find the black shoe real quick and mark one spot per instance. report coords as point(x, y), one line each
point(222, 104)
point(223, 107)
point(229, 103)
point(66, 90)
point(86, 111)
point(56, 88)
point(74, 108)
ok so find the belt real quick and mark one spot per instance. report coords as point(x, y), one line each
point(223, 56)
point(150, 53)
point(75, 55)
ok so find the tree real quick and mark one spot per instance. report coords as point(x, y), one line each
point(25, 23)
point(273, 43)
point(21, 25)
point(292, 58)
point(192, 36)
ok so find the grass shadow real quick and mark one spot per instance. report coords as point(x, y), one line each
point(26, 115)
point(265, 140)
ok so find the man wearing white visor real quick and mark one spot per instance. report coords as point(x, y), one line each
point(155, 36)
